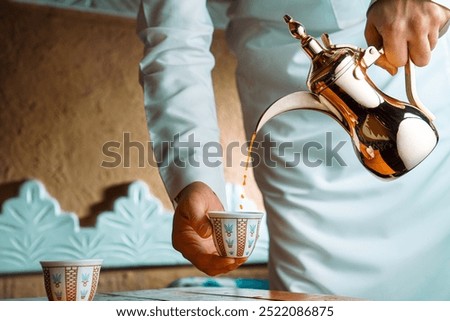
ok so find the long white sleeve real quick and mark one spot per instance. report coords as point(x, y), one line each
point(178, 93)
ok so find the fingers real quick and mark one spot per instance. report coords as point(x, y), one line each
point(192, 230)
point(395, 49)
point(215, 265)
point(398, 51)
point(374, 39)
point(419, 51)
point(372, 35)
point(193, 212)
point(385, 64)
point(433, 37)
point(194, 203)
point(408, 29)
point(201, 252)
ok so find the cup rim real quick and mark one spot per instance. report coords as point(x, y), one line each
point(64, 263)
point(236, 214)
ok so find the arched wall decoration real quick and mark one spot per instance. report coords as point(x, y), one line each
point(136, 233)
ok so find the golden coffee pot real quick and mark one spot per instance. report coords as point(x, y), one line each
point(389, 136)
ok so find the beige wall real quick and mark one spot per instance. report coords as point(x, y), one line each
point(69, 84)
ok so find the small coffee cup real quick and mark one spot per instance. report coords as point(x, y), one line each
point(235, 233)
point(74, 280)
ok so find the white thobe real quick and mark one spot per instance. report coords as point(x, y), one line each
point(334, 227)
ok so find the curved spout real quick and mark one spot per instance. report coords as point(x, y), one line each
point(296, 100)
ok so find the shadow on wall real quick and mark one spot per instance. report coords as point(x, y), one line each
point(110, 195)
point(9, 190)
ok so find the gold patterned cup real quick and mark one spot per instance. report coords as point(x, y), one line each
point(235, 233)
point(74, 280)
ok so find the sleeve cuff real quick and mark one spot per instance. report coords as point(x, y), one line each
point(444, 3)
point(177, 178)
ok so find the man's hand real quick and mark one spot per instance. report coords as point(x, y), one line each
point(192, 231)
point(404, 28)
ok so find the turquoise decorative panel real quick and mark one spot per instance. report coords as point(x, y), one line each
point(30, 226)
point(137, 232)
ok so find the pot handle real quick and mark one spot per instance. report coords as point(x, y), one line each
point(410, 81)
point(371, 54)
point(411, 92)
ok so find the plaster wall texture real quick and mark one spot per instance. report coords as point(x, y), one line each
point(68, 85)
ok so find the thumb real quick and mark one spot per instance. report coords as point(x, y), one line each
point(384, 63)
point(373, 38)
point(195, 202)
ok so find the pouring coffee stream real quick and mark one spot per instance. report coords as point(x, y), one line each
point(390, 137)
point(247, 163)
